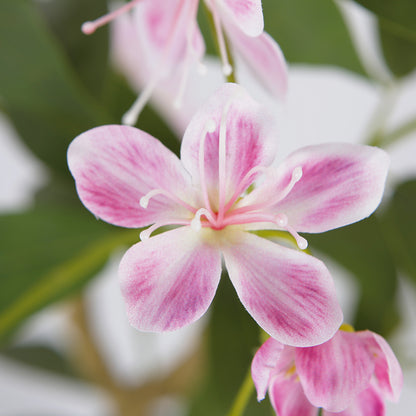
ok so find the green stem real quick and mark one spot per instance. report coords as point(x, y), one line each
point(398, 133)
point(231, 77)
point(243, 396)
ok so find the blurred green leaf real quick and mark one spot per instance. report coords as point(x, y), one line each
point(40, 356)
point(399, 51)
point(400, 227)
point(399, 13)
point(47, 254)
point(39, 91)
point(362, 250)
point(233, 338)
point(311, 32)
point(88, 55)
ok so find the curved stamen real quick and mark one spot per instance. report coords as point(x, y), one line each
point(244, 184)
point(300, 241)
point(144, 200)
point(196, 223)
point(145, 234)
point(89, 28)
point(296, 176)
point(209, 128)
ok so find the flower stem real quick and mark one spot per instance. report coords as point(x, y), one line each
point(400, 132)
point(243, 396)
point(231, 77)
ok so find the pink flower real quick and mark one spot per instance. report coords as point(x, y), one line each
point(223, 187)
point(160, 43)
point(349, 375)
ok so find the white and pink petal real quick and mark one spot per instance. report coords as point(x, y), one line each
point(288, 399)
point(388, 374)
point(290, 294)
point(169, 280)
point(367, 403)
point(237, 135)
point(115, 166)
point(263, 365)
point(334, 373)
point(340, 184)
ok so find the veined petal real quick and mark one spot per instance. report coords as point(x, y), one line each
point(246, 14)
point(263, 365)
point(388, 373)
point(288, 399)
point(169, 280)
point(290, 294)
point(367, 403)
point(340, 184)
point(334, 373)
point(245, 130)
point(114, 166)
point(263, 56)
point(166, 30)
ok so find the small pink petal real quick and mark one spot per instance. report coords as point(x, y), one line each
point(248, 136)
point(290, 294)
point(388, 373)
point(263, 365)
point(169, 280)
point(334, 373)
point(340, 184)
point(246, 14)
point(288, 399)
point(367, 403)
point(263, 57)
point(114, 166)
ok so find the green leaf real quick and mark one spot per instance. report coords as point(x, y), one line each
point(399, 13)
point(400, 227)
point(46, 254)
point(44, 99)
point(362, 250)
point(399, 50)
point(311, 32)
point(88, 55)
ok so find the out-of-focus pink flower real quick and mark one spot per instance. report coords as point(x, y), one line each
point(349, 375)
point(223, 187)
point(160, 43)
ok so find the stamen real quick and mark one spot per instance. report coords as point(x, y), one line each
point(89, 28)
point(144, 200)
point(131, 116)
point(227, 69)
point(300, 241)
point(210, 127)
point(145, 234)
point(296, 176)
point(196, 221)
point(245, 183)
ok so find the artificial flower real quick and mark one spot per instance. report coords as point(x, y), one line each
point(161, 44)
point(222, 189)
point(349, 375)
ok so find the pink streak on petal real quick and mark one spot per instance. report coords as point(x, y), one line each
point(114, 166)
point(263, 57)
point(263, 365)
point(288, 398)
point(388, 373)
point(367, 403)
point(250, 140)
point(246, 14)
point(169, 280)
point(341, 184)
point(290, 294)
point(333, 373)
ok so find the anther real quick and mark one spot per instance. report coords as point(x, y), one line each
point(227, 70)
point(281, 220)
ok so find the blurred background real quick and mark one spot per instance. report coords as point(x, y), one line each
point(66, 347)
